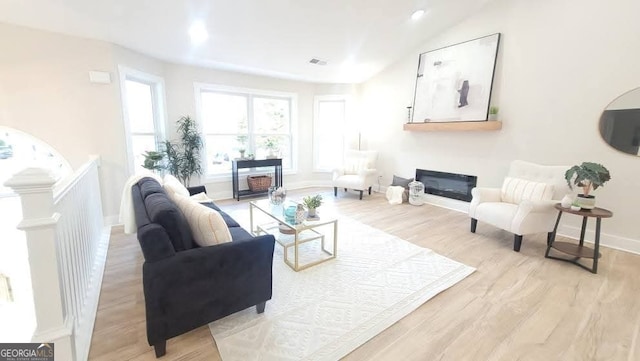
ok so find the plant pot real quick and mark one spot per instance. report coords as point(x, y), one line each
point(311, 213)
point(585, 202)
point(493, 117)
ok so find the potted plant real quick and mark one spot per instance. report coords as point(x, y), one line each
point(272, 146)
point(153, 161)
point(493, 112)
point(312, 202)
point(183, 156)
point(589, 176)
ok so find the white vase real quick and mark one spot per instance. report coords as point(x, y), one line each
point(493, 117)
point(566, 201)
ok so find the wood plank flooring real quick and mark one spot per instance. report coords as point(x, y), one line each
point(516, 306)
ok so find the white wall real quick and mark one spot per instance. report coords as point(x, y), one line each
point(45, 91)
point(561, 62)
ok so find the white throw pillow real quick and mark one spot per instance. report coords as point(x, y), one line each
point(207, 225)
point(201, 198)
point(394, 194)
point(355, 165)
point(173, 185)
point(515, 190)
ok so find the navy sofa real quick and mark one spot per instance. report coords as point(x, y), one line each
point(187, 286)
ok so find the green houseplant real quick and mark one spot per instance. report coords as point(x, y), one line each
point(183, 156)
point(272, 146)
point(153, 161)
point(312, 202)
point(589, 176)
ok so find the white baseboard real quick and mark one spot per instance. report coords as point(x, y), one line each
point(606, 239)
point(111, 220)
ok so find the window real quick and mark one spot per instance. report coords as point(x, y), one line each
point(20, 150)
point(143, 105)
point(239, 122)
point(329, 122)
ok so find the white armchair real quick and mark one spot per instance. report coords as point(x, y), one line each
point(357, 172)
point(524, 204)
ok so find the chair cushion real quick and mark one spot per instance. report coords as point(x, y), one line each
point(498, 214)
point(207, 226)
point(351, 181)
point(515, 190)
point(355, 165)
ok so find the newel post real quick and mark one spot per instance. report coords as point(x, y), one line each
point(35, 188)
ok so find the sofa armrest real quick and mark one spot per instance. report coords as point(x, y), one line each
point(337, 172)
point(196, 189)
point(200, 285)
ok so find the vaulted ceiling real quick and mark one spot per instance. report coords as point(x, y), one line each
point(357, 38)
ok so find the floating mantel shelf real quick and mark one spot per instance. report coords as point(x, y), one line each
point(453, 126)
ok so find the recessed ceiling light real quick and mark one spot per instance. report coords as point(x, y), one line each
point(417, 15)
point(198, 33)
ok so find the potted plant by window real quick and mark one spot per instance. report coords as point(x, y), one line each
point(183, 156)
point(153, 161)
point(588, 175)
point(312, 203)
point(272, 146)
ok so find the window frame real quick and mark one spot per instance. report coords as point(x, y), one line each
point(250, 94)
point(158, 103)
point(316, 133)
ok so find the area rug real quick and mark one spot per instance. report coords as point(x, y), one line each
point(327, 311)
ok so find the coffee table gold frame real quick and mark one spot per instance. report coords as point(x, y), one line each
point(302, 233)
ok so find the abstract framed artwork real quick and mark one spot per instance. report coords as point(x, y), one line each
point(454, 83)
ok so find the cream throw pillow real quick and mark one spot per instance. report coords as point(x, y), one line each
point(207, 225)
point(173, 185)
point(515, 190)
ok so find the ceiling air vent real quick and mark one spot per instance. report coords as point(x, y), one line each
point(317, 61)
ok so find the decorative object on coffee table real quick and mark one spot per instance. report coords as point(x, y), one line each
point(277, 195)
point(588, 175)
point(312, 203)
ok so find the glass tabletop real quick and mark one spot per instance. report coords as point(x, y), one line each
point(278, 213)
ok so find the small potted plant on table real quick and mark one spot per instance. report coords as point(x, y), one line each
point(588, 175)
point(312, 202)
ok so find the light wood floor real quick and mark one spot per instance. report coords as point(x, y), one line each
point(516, 306)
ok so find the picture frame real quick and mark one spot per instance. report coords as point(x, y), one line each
point(454, 83)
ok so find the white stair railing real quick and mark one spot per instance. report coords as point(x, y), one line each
point(67, 246)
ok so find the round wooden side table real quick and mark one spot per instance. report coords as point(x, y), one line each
point(579, 250)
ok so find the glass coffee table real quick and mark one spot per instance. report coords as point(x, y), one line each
point(308, 243)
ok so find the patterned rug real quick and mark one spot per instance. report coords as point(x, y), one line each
point(327, 311)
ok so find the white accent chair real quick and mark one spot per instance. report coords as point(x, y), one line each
point(357, 172)
point(524, 204)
